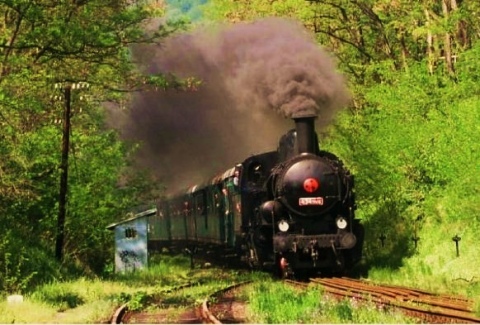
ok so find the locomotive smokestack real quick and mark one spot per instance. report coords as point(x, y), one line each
point(306, 137)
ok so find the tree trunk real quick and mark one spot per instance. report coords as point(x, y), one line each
point(461, 35)
point(447, 47)
point(430, 47)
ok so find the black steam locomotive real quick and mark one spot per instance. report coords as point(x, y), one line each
point(288, 210)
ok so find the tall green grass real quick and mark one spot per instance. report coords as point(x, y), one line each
point(76, 301)
point(273, 302)
point(93, 300)
point(435, 265)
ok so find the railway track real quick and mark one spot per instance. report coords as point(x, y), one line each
point(227, 306)
point(222, 306)
point(429, 307)
point(420, 304)
point(123, 315)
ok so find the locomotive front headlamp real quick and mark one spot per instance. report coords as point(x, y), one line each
point(283, 226)
point(341, 223)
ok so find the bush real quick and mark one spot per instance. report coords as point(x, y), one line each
point(16, 274)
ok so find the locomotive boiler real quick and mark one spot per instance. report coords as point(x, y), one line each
point(290, 210)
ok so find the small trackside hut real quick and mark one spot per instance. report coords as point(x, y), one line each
point(131, 241)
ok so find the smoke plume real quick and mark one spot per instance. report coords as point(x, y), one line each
point(247, 70)
point(276, 64)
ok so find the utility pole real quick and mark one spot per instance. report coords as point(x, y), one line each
point(62, 200)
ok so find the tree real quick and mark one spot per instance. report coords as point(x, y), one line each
point(409, 134)
point(43, 43)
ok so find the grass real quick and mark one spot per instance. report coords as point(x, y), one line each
point(80, 301)
point(32, 311)
point(435, 265)
point(273, 302)
point(95, 300)
point(435, 268)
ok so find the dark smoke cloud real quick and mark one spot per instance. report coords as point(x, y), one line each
point(246, 71)
point(276, 64)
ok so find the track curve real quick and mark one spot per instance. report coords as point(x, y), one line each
point(224, 306)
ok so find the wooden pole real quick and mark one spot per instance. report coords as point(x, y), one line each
point(62, 200)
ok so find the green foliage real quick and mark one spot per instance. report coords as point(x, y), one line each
point(15, 273)
point(247, 10)
point(410, 147)
point(65, 42)
point(414, 153)
point(135, 302)
point(138, 301)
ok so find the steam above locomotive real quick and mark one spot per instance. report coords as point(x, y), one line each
point(290, 210)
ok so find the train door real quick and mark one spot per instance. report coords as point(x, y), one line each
point(237, 216)
point(228, 216)
point(219, 215)
point(195, 216)
point(233, 216)
point(186, 217)
point(168, 223)
point(220, 200)
point(200, 221)
point(192, 221)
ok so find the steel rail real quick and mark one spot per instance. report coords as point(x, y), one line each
point(429, 306)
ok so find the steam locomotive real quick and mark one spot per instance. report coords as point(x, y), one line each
point(289, 210)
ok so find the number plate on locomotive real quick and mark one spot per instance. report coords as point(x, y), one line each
point(310, 201)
